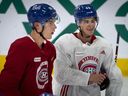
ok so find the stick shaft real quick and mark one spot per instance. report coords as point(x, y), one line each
point(117, 47)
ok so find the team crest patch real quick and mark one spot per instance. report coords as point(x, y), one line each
point(88, 64)
point(42, 75)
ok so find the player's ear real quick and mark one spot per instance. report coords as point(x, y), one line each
point(37, 26)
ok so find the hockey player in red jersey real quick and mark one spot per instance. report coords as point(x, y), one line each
point(80, 55)
point(29, 63)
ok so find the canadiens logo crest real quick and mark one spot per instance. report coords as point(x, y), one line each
point(88, 64)
point(42, 75)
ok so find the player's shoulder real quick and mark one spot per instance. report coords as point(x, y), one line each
point(102, 41)
point(21, 41)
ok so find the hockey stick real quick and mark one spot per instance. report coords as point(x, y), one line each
point(117, 47)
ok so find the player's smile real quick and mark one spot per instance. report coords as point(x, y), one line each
point(90, 29)
point(88, 26)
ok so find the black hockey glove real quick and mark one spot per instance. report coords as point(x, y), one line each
point(106, 82)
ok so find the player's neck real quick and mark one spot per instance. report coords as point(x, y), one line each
point(84, 38)
point(37, 38)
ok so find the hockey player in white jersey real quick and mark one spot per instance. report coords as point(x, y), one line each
point(80, 56)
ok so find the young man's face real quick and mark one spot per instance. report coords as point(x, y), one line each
point(87, 26)
point(49, 29)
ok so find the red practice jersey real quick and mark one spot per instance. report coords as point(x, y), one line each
point(28, 69)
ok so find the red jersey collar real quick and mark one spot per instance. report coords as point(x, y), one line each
point(92, 38)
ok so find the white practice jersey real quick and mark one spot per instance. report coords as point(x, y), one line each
point(76, 60)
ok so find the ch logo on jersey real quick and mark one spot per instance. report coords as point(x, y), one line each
point(88, 64)
point(89, 68)
point(42, 75)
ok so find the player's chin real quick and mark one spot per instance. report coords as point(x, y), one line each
point(89, 35)
point(48, 36)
